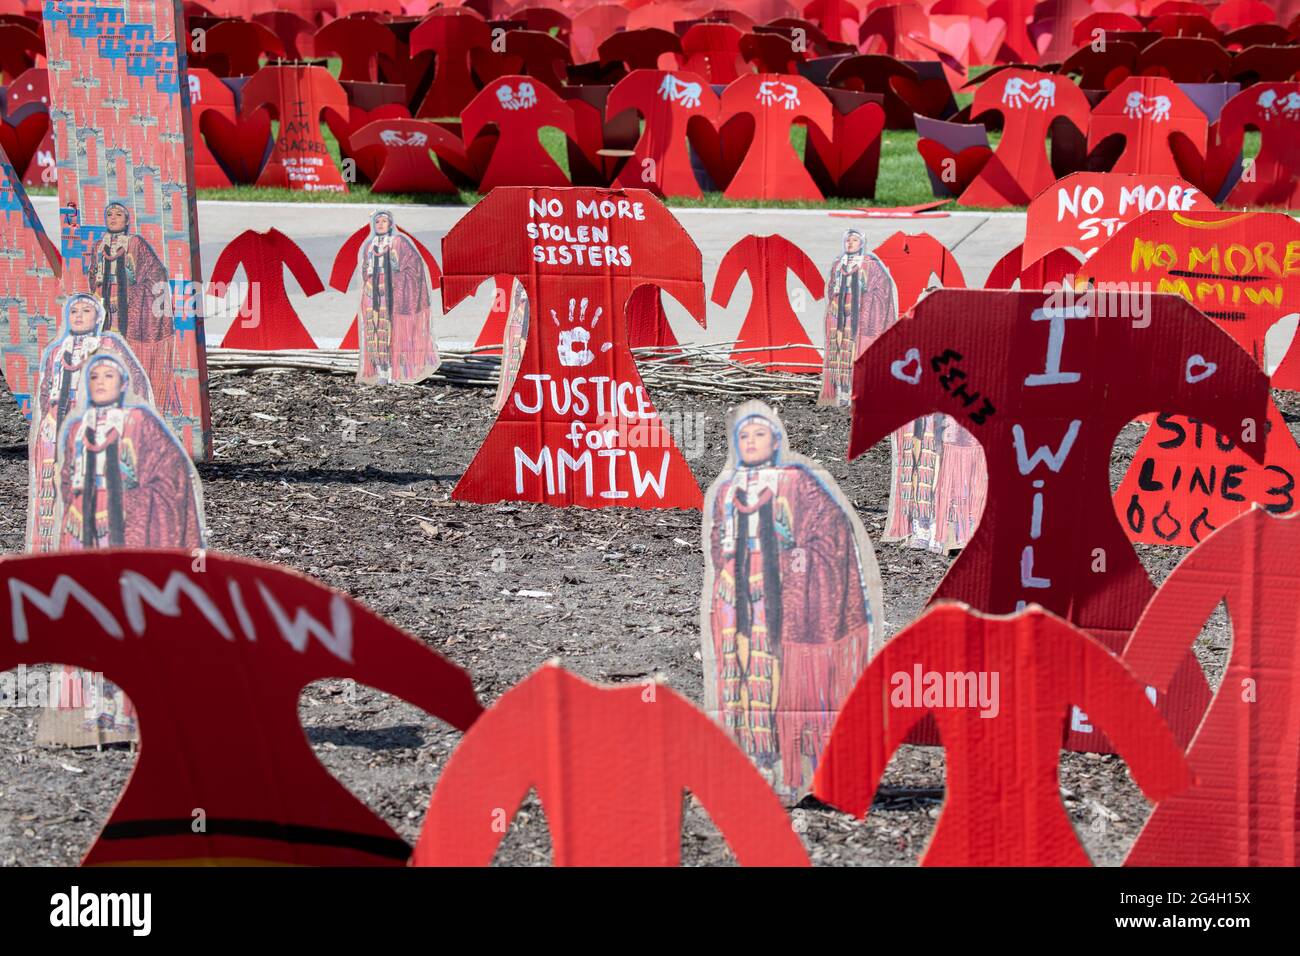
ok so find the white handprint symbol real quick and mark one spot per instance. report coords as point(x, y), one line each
point(1267, 103)
point(1046, 95)
point(1134, 104)
point(688, 94)
point(771, 92)
point(1013, 94)
point(1160, 107)
point(574, 348)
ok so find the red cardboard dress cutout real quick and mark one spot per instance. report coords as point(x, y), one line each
point(610, 765)
point(370, 158)
point(519, 107)
point(214, 658)
point(1273, 109)
point(209, 95)
point(358, 41)
point(578, 427)
point(771, 322)
point(1029, 101)
point(667, 102)
point(266, 318)
point(1245, 757)
point(771, 168)
point(453, 34)
point(1083, 210)
point(1147, 111)
point(297, 94)
point(1001, 728)
point(713, 50)
point(1045, 385)
point(1243, 271)
point(916, 261)
point(1008, 272)
point(848, 162)
point(407, 166)
point(30, 270)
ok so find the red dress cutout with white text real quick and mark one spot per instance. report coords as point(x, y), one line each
point(1045, 388)
point(578, 427)
point(215, 660)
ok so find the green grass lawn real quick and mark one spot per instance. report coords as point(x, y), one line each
point(901, 181)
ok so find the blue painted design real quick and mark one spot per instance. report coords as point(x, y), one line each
point(165, 67)
point(184, 306)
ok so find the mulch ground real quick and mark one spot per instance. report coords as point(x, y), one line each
point(352, 486)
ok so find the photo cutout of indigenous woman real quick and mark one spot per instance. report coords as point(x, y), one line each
point(512, 342)
point(861, 302)
point(59, 394)
point(395, 333)
point(938, 485)
point(131, 282)
point(124, 479)
point(792, 605)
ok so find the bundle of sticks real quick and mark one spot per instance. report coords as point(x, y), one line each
point(717, 368)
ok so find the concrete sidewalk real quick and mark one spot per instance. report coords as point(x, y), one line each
point(977, 240)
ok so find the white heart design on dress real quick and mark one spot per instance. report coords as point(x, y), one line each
point(1198, 370)
point(899, 367)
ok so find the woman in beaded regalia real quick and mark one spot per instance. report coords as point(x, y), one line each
point(860, 304)
point(918, 452)
point(58, 397)
point(791, 605)
point(395, 335)
point(131, 282)
point(124, 479)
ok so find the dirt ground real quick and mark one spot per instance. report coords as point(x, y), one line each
point(352, 485)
